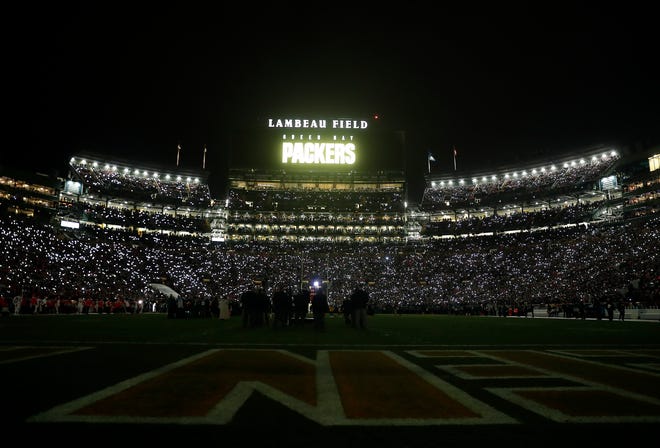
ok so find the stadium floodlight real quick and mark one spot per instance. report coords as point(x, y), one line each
point(126, 170)
point(474, 180)
point(494, 178)
point(73, 160)
point(553, 168)
point(534, 171)
point(83, 162)
point(95, 164)
point(613, 153)
point(107, 166)
point(484, 179)
point(543, 169)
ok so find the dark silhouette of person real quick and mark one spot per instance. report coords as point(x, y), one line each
point(262, 308)
point(248, 305)
point(360, 300)
point(319, 309)
point(610, 310)
point(281, 307)
point(622, 310)
point(347, 311)
point(301, 306)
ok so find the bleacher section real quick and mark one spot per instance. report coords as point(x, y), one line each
point(275, 228)
point(316, 207)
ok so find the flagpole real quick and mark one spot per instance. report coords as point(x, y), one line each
point(454, 158)
point(204, 159)
point(178, 152)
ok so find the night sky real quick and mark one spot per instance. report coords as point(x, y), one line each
point(501, 84)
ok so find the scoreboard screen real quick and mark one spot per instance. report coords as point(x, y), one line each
point(320, 145)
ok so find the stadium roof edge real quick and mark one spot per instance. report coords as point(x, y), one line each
point(202, 175)
point(567, 157)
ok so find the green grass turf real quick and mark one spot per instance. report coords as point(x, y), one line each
point(383, 331)
point(119, 352)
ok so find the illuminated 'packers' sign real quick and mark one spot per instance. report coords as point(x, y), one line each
point(298, 123)
point(321, 149)
point(318, 153)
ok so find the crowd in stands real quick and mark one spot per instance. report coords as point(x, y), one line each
point(139, 187)
point(550, 217)
point(305, 200)
point(131, 218)
point(557, 180)
point(45, 268)
point(478, 275)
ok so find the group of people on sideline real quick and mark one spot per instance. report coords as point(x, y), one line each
point(286, 308)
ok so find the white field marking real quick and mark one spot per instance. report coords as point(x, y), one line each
point(593, 385)
point(600, 354)
point(455, 369)
point(63, 412)
point(511, 395)
point(629, 353)
point(329, 410)
point(340, 346)
point(61, 351)
point(650, 366)
point(578, 379)
point(647, 353)
point(419, 354)
point(488, 414)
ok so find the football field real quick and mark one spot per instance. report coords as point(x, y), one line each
point(410, 380)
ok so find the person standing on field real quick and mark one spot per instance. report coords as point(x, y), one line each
point(319, 309)
point(360, 301)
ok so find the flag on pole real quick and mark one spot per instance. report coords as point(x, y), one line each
point(178, 153)
point(455, 157)
point(204, 159)
point(429, 159)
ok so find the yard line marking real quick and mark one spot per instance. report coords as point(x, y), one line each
point(11, 355)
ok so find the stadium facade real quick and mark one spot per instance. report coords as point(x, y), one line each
point(323, 201)
point(317, 179)
point(337, 180)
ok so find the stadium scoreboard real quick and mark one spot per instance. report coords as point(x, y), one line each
point(317, 144)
